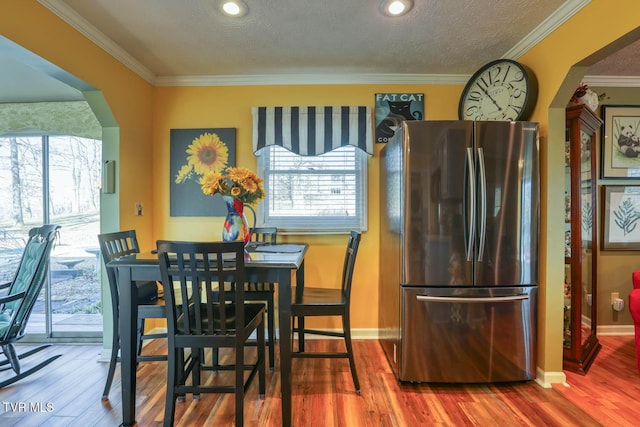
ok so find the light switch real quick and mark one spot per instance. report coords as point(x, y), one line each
point(109, 177)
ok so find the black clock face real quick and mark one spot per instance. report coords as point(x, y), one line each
point(501, 90)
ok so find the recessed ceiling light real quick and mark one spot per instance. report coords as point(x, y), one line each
point(396, 7)
point(234, 8)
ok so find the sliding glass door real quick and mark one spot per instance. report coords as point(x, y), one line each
point(55, 179)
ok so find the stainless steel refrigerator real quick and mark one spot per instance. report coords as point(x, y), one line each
point(459, 251)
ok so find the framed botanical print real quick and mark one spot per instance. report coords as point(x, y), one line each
point(621, 216)
point(620, 141)
point(193, 153)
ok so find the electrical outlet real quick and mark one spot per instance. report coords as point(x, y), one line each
point(139, 209)
point(614, 297)
point(618, 305)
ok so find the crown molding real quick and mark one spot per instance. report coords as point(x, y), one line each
point(68, 15)
point(306, 79)
point(64, 12)
point(546, 27)
point(612, 81)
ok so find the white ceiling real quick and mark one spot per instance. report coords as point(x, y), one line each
point(194, 38)
point(284, 41)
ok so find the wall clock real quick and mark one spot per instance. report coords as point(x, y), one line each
point(501, 90)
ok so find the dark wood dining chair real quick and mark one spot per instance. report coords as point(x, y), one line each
point(262, 292)
point(202, 314)
point(116, 245)
point(328, 302)
point(265, 291)
point(18, 299)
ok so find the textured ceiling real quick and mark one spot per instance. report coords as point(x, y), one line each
point(623, 62)
point(192, 37)
point(170, 41)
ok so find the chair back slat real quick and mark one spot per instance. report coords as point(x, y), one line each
point(118, 244)
point(349, 263)
point(28, 280)
point(112, 246)
point(199, 302)
point(264, 234)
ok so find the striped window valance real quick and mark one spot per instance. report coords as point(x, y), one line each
point(311, 131)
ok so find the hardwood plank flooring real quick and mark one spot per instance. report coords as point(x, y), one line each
point(67, 393)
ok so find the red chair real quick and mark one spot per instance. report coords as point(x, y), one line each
point(634, 308)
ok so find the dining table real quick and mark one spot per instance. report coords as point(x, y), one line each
point(264, 263)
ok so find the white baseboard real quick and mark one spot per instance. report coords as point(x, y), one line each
point(374, 333)
point(542, 378)
point(545, 379)
point(610, 330)
point(356, 334)
point(365, 334)
point(105, 355)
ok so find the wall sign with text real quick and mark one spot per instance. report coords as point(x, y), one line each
point(394, 108)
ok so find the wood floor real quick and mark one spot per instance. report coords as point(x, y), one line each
point(68, 394)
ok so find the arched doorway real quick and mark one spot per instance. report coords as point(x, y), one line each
point(60, 140)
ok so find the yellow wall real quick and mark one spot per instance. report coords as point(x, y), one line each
point(196, 107)
point(594, 27)
point(615, 267)
point(30, 25)
point(145, 115)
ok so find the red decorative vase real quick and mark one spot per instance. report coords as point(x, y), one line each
point(236, 226)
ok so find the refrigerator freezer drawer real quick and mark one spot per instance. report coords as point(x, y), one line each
point(468, 335)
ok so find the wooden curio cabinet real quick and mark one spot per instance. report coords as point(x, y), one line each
point(581, 244)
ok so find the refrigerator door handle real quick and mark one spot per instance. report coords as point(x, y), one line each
point(471, 197)
point(483, 204)
point(511, 298)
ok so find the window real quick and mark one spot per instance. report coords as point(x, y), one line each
point(314, 164)
point(314, 193)
point(55, 179)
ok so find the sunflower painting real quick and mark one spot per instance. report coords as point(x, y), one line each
point(194, 153)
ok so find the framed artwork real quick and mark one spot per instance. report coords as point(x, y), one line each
point(585, 157)
point(193, 153)
point(587, 214)
point(620, 140)
point(394, 108)
point(621, 228)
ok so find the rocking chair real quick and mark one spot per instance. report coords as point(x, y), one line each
point(16, 305)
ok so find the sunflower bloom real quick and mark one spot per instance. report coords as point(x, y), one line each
point(207, 153)
point(239, 174)
point(249, 184)
point(183, 174)
point(240, 183)
point(210, 183)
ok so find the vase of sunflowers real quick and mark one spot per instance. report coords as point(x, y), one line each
point(240, 188)
point(236, 225)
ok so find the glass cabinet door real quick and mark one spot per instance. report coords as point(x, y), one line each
point(579, 333)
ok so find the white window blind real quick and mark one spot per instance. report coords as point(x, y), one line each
point(314, 193)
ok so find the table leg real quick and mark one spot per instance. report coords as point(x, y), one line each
point(299, 292)
point(284, 314)
point(128, 314)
